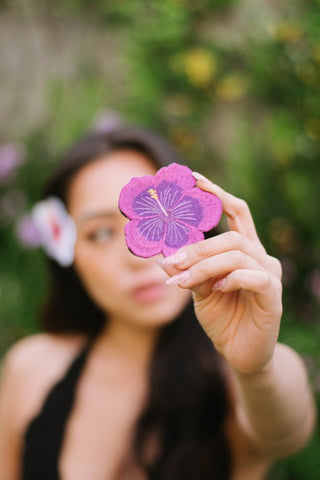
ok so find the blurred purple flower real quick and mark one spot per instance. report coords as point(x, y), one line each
point(27, 232)
point(11, 158)
point(106, 121)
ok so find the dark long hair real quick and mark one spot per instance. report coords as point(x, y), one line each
point(187, 404)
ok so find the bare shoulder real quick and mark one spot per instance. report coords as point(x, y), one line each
point(31, 367)
point(45, 346)
point(40, 356)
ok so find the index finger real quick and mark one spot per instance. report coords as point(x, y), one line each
point(236, 210)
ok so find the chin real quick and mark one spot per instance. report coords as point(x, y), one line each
point(158, 314)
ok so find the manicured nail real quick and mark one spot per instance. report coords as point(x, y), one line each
point(219, 284)
point(198, 176)
point(178, 279)
point(173, 259)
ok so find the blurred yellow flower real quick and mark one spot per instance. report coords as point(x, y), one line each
point(312, 128)
point(178, 105)
point(231, 88)
point(200, 66)
point(183, 138)
point(288, 31)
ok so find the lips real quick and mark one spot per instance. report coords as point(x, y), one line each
point(148, 292)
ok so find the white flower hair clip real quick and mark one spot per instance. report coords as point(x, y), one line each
point(56, 229)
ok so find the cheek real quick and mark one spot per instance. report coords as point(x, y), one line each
point(95, 271)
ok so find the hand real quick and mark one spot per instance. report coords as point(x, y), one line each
point(236, 287)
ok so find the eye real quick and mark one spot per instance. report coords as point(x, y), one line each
point(101, 235)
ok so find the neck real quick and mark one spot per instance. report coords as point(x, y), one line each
point(131, 344)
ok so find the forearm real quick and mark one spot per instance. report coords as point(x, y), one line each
point(275, 408)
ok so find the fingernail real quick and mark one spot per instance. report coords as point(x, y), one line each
point(198, 176)
point(178, 279)
point(219, 284)
point(173, 259)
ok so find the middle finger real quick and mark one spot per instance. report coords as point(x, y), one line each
point(228, 241)
point(213, 267)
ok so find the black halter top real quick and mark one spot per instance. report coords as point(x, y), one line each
point(44, 435)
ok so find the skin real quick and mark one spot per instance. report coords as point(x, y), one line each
point(102, 258)
point(236, 290)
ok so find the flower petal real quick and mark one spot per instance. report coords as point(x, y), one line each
point(176, 235)
point(180, 175)
point(27, 232)
point(188, 210)
point(136, 188)
point(145, 205)
point(179, 235)
point(169, 194)
point(153, 229)
point(138, 243)
point(210, 205)
point(56, 228)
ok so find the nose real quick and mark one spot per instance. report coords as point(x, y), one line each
point(132, 260)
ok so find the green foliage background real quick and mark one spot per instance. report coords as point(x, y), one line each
point(235, 86)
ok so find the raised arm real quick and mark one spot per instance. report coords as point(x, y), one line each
point(275, 408)
point(237, 291)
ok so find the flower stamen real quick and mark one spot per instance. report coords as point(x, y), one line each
point(154, 195)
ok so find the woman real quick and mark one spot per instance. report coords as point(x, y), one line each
point(141, 378)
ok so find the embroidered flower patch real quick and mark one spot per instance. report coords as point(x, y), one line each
point(167, 211)
point(56, 229)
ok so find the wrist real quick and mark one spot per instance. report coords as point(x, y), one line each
point(261, 373)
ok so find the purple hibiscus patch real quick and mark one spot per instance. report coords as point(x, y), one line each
point(167, 211)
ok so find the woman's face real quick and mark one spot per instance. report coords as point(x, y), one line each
point(126, 287)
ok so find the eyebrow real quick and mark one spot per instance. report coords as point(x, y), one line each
point(97, 215)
